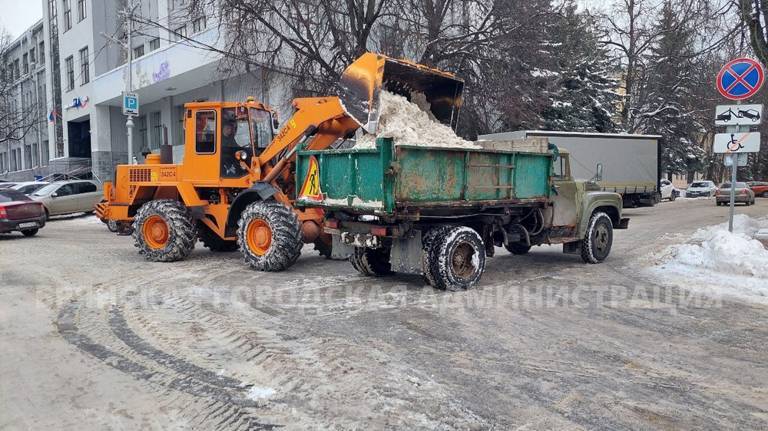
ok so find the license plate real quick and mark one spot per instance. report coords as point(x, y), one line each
point(27, 225)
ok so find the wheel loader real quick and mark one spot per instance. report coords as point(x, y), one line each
point(235, 187)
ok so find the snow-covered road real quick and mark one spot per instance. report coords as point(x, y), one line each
point(94, 337)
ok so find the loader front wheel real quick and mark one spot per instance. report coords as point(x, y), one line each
point(163, 231)
point(269, 236)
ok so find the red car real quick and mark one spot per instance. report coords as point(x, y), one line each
point(20, 213)
point(760, 188)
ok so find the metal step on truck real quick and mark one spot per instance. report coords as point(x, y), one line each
point(440, 211)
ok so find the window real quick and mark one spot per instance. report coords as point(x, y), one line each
point(84, 187)
point(65, 190)
point(16, 72)
point(32, 57)
point(84, 66)
point(69, 67)
point(67, 14)
point(205, 132)
point(154, 44)
point(180, 33)
point(41, 51)
point(198, 24)
point(157, 131)
point(80, 10)
point(25, 62)
point(138, 51)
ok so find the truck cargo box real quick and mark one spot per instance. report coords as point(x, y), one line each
point(395, 179)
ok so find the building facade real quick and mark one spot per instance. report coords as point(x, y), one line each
point(87, 73)
point(24, 145)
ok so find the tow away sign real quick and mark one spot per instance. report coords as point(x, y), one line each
point(739, 142)
point(738, 115)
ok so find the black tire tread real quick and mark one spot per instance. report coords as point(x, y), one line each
point(586, 244)
point(371, 262)
point(286, 236)
point(182, 230)
point(443, 243)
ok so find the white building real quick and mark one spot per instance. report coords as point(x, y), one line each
point(88, 74)
point(24, 72)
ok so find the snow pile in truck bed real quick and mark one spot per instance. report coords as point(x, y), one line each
point(720, 262)
point(408, 124)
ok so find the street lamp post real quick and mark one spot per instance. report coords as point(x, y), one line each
point(129, 120)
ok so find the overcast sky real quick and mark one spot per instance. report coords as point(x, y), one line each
point(19, 15)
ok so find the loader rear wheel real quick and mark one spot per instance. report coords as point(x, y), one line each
point(457, 260)
point(371, 262)
point(163, 231)
point(269, 236)
point(214, 242)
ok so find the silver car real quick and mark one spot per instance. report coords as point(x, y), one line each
point(66, 197)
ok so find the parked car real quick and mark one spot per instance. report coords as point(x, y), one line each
point(66, 197)
point(759, 187)
point(20, 213)
point(744, 194)
point(668, 191)
point(7, 185)
point(704, 188)
point(29, 187)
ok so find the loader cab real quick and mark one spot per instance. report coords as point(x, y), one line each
point(216, 133)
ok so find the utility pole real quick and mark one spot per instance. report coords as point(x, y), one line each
point(129, 120)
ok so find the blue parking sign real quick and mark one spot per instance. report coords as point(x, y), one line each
point(130, 104)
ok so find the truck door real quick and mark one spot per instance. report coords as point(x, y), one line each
point(565, 207)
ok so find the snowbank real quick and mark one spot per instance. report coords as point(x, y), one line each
point(720, 262)
point(408, 124)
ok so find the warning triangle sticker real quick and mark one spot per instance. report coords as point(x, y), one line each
point(311, 187)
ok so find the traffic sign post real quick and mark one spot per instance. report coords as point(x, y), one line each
point(738, 80)
point(130, 104)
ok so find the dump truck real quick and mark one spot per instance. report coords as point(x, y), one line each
point(235, 188)
point(440, 211)
point(630, 162)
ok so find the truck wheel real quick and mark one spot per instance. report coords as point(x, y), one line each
point(427, 249)
point(269, 236)
point(212, 241)
point(517, 248)
point(371, 262)
point(457, 260)
point(597, 242)
point(163, 231)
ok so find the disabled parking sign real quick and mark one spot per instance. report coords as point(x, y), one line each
point(740, 79)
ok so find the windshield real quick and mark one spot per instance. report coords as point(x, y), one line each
point(29, 188)
point(261, 126)
point(700, 184)
point(50, 188)
point(7, 195)
point(738, 185)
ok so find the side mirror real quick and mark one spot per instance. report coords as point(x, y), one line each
point(598, 173)
point(54, 194)
point(275, 123)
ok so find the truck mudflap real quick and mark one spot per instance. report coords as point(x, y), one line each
point(623, 223)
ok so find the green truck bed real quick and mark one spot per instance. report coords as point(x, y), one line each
point(392, 179)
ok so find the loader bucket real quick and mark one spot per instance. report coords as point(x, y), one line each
point(362, 82)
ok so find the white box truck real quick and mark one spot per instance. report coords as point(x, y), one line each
point(630, 163)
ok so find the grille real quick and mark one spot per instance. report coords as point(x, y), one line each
point(141, 175)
